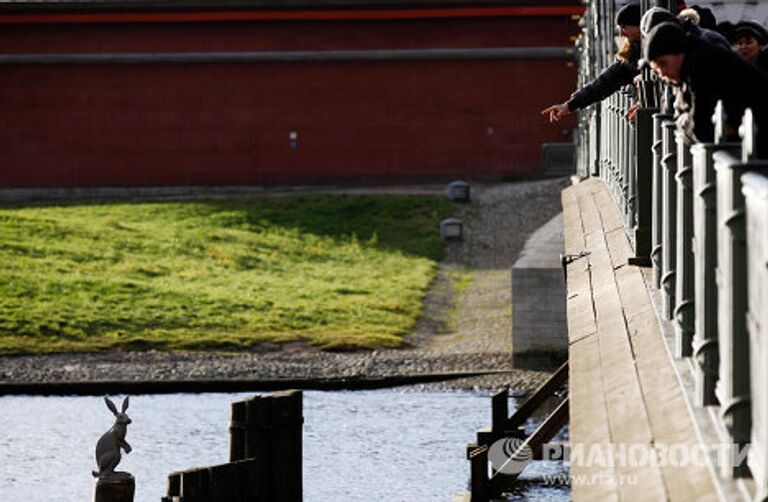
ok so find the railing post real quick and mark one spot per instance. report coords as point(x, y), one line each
point(630, 160)
point(705, 345)
point(669, 217)
point(658, 196)
point(756, 196)
point(625, 154)
point(685, 309)
point(610, 136)
point(595, 147)
point(733, 386)
point(643, 194)
point(705, 342)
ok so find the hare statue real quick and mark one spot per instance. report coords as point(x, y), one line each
point(109, 444)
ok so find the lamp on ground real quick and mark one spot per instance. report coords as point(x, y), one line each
point(458, 191)
point(452, 229)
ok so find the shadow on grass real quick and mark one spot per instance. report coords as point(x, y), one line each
point(408, 224)
point(405, 223)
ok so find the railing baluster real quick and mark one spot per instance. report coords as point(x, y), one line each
point(658, 196)
point(669, 211)
point(685, 308)
point(705, 343)
point(733, 386)
point(642, 198)
point(756, 196)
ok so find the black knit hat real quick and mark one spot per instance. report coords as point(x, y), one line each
point(654, 17)
point(706, 17)
point(666, 38)
point(752, 29)
point(629, 15)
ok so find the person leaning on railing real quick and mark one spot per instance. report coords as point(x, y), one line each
point(703, 74)
point(618, 74)
point(689, 20)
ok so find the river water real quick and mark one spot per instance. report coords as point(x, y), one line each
point(394, 445)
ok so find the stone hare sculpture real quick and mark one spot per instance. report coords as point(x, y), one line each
point(109, 444)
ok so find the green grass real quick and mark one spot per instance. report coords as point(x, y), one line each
point(334, 271)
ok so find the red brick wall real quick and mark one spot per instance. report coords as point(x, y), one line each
point(179, 124)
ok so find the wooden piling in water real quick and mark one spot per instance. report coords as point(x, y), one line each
point(265, 453)
point(478, 458)
point(500, 412)
point(285, 451)
point(119, 489)
point(237, 427)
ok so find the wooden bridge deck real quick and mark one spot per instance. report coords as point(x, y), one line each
point(623, 388)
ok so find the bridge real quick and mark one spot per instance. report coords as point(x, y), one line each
point(666, 306)
point(666, 263)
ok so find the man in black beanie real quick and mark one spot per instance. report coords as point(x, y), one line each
point(704, 74)
point(620, 73)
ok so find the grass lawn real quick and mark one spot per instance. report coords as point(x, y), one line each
point(334, 271)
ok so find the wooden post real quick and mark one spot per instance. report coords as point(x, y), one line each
point(250, 487)
point(195, 485)
point(225, 483)
point(256, 435)
point(118, 489)
point(174, 485)
point(285, 420)
point(237, 427)
point(257, 440)
point(478, 458)
point(265, 456)
point(499, 412)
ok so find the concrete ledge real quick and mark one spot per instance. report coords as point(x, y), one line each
point(539, 322)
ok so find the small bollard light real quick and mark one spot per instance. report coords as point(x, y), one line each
point(452, 229)
point(458, 191)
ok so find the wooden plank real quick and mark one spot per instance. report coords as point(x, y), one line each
point(669, 417)
point(671, 422)
point(573, 232)
point(627, 416)
point(608, 405)
point(621, 250)
point(581, 318)
point(623, 387)
point(589, 415)
point(588, 422)
point(590, 214)
point(608, 213)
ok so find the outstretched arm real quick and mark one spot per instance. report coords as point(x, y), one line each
point(556, 112)
point(609, 81)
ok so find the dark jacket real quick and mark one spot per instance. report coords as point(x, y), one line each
point(613, 78)
point(710, 73)
point(710, 36)
point(762, 60)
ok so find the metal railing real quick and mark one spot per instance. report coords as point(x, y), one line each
point(698, 214)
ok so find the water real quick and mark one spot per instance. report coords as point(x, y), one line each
point(395, 445)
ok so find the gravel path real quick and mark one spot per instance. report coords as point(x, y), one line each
point(466, 326)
